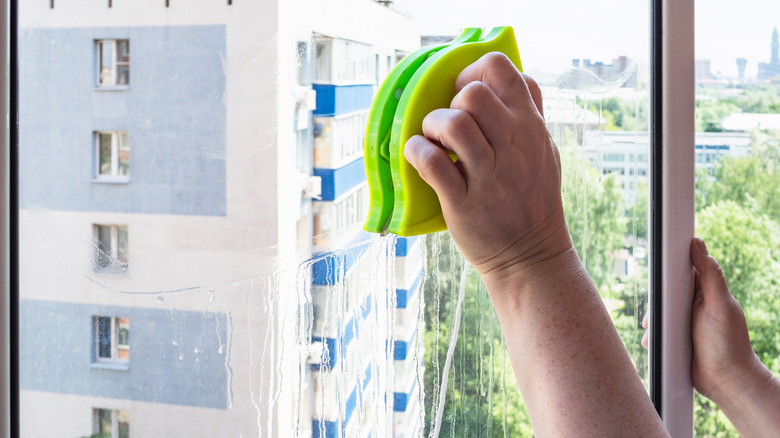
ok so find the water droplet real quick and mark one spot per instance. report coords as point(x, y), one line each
point(174, 342)
point(160, 299)
point(197, 360)
point(211, 297)
point(181, 357)
point(221, 349)
point(197, 350)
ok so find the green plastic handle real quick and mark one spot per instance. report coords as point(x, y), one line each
point(416, 208)
point(380, 121)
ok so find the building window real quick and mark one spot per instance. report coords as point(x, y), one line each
point(112, 153)
point(111, 338)
point(110, 247)
point(340, 61)
point(347, 211)
point(339, 140)
point(113, 63)
point(613, 157)
point(110, 423)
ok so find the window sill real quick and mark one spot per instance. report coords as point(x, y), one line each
point(112, 88)
point(110, 180)
point(116, 366)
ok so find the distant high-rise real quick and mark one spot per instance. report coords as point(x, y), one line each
point(741, 64)
point(767, 71)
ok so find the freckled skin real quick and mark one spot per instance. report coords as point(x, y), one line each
point(502, 204)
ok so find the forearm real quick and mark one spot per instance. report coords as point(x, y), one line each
point(752, 403)
point(570, 364)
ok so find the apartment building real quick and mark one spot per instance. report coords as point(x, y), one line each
point(624, 154)
point(176, 161)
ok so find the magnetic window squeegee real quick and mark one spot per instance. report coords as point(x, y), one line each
point(400, 201)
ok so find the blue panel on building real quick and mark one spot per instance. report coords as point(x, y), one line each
point(173, 111)
point(335, 100)
point(176, 357)
point(403, 296)
point(401, 348)
point(325, 429)
point(403, 245)
point(401, 399)
point(329, 429)
point(336, 182)
point(329, 268)
point(333, 346)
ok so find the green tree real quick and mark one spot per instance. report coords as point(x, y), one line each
point(621, 114)
point(482, 396)
point(710, 113)
point(763, 98)
point(637, 214)
point(754, 179)
point(593, 205)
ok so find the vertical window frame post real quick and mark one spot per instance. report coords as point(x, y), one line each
point(9, 275)
point(672, 212)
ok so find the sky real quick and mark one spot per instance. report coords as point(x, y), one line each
point(552, 32)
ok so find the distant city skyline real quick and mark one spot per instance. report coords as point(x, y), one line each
point(552, 33)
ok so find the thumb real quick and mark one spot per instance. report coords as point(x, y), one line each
point(711, 280)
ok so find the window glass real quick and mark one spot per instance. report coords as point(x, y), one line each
point(737, 160)
point(109, 423)
point(123, 154)
point(106, 49)
point(259, 307)
point(104, 338)
point(103, 250)
point(105, 151)
point(123, 62)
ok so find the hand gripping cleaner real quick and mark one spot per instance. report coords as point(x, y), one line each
point(400, 201)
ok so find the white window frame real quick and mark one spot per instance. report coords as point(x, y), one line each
point(115, 413)
point(115, 64)
point(674, 208)
point(672, 213)
point(9, 404)
point(115, 346)
point(116, 149)
point(116, 263)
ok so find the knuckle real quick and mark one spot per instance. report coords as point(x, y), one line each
point(456, 123)
point(472, 95)
point(533, 86)
point(429, 163)
point(497, 59)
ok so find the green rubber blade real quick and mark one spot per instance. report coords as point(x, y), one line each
point(380, 121)
point(416, 208)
